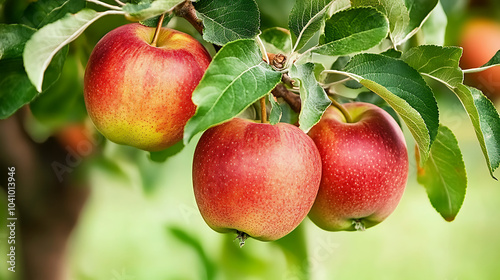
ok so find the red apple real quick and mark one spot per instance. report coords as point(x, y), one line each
point(77, 138)
point(255, 179)
point(480, 40)
point(140, 95)
point(365, 167)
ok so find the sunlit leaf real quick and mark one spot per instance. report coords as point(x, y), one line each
point(306, 18)
point(313, 96)
point(276, 111)
point(439, 62)
point(353, 30)
point(434, 28)
point(277, 40)
point(405, 90)
point(418, 10)
point(399, 18)
point(442, 64)
point(236, 78)
point(227, 20)
point(47, 41)
point(444, 175)
point(146, 9)
point(486, 122)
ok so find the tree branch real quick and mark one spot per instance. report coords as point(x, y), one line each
point(291, 98)
point(188, 12)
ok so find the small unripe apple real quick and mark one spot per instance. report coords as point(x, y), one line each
point(480, 40)
point(365, 167)
point(255, 179)
point(138, 94)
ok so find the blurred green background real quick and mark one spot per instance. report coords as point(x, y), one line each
point(141, 220)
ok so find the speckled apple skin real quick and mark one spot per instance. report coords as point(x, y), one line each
point(260, 179)
point(140, 95)
point(365, 167)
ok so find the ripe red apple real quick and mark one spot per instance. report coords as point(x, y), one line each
point(480, 40)
point(255, 179)
point(140, 95)
point(365, 167)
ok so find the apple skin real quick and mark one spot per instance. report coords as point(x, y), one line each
point(140, 95)
point(480, 40)
point(365, 167)
point(255, 178)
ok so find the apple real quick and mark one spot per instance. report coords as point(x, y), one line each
point(78, 138)
point(138, 94)
point(365, 167)
point(255, 179)
point(480, 40)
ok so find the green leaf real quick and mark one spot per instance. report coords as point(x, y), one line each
point(276, 111)
point(17, 89)
point(63, 102)
point(364, 3)
point(399, 18)
point(43, 12)
point(163, 155)
point(47, 41)
point(277, 40)
point(436, 61)
point(404, 89)
point(442, 64)
point(236, 78)
point(225, 21)
point(486, 122)
point(353, 30)
point(289, 115)
point(434, 28)
point(153, 22)
point(392, 53)
point(13, 37)
point(494, 61)
point(306, 18)
point(405, 16)
point(147, 9)
point(444, 175)
point(313, 96)
point(418, 10)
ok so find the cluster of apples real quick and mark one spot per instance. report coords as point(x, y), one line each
point(251, 178)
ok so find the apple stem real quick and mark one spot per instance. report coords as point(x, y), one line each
point(342, 109)
point(242, 236)
point(263, 111)
point(358, 225)
point(157, 31)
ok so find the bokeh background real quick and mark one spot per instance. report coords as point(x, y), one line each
point(117, 215)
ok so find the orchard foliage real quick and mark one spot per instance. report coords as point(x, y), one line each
point(331, 47)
